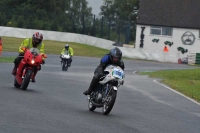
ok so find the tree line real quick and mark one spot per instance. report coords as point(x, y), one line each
point(69, 16)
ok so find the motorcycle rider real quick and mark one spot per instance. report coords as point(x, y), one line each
point(34, 42)
point(114, 57)
point(69, 50)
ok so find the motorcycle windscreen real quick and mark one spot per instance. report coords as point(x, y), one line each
point(34, 51)
point(66, 53)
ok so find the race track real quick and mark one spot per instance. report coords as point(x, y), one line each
point(55, 103)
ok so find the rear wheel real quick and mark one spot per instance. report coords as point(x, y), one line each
point(16, 84)
point(26, 79)
point(109, 103)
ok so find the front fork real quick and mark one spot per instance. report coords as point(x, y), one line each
point(108, 91)
point(33, 69)
point(105, 93)
point(66, 62)
point(24, 72)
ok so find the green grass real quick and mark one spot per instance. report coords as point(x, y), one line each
point(11, 44)
point(7, 59)
point(185, 81)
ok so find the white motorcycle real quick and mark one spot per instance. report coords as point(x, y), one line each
point(65, 62)
point(105, 92)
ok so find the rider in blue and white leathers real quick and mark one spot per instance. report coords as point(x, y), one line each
point(114, 57)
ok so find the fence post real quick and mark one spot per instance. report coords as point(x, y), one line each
point(93, 28)
point(73, 26)
point(127, 38)
point(118, 32)
point(109, 29)
point(83, 20)
point(101, 27)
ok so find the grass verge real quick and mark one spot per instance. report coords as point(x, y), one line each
point(11, 44)
point(7, 59)
point(185, 81)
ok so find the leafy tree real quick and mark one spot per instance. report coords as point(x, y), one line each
point(121, 13)
point(71, 16)
point(44, 14)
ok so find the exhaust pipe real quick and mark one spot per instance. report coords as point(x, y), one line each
point(96, 104)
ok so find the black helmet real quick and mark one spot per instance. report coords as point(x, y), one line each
point(66, 46)
point(115, 54)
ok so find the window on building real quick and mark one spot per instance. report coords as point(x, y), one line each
point(165, 31)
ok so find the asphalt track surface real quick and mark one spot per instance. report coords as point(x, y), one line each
point(55, 103)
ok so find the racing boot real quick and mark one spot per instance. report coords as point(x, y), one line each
point(91, 87)
point(33, 80)
point(87, 92)
point(14, 71)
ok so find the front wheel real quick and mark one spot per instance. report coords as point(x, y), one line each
point(26, 79)
point(109, 103)
point(64, 65)
point(91, 106)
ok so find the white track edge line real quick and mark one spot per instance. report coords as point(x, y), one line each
point(176, 92)
point(134, 72)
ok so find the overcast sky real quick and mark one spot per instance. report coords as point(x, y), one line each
point(95, 4)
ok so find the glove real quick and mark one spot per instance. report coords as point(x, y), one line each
point(43, 62)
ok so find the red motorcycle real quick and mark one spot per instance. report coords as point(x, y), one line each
point(28, 67)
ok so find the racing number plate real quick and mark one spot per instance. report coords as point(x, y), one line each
point(118, 73)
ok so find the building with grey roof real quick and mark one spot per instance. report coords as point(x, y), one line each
point(174, 24)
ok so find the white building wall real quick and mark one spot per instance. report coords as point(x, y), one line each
point(156, 49)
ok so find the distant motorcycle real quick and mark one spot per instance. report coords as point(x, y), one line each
point(105, 93)
point(26, 69)
point(65, 62)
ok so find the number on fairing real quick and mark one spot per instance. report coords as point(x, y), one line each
point(117, 73)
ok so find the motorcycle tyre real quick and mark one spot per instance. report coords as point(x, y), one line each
point(26, 79)
point(111, 103)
